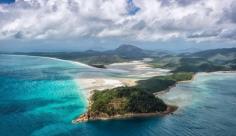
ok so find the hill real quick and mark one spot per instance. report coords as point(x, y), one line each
point(160, 83)
point(130, 52)
point(214, 52)
point(123, 102)
point(203, 61)
point(121, 54)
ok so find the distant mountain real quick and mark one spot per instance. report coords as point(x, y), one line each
point(189, 50)
point(218, 56)
point(130, 52)
point(203, 61)
point(91, 57)
point(213, 52)
point(128, 48)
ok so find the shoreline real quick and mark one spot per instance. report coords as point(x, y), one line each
point(172, 86)
point(88, 85)
point(126, 82)
point(52, 58)
point(133, 69)
point(138, 68)
point(84, 117)
point(193, 78)
point(170, 109)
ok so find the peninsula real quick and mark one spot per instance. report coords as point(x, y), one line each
point(135, 101)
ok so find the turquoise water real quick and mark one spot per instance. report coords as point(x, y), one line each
point(39, 97)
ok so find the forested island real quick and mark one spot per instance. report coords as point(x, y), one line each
point(124, 102)
point(139, 100)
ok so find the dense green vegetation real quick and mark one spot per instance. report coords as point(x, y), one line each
point(204, 61)
point(206, 67)
point(211, 53)
point(198, 65)
point(192, 64)
point(160, 83)
point(138, 99)
point(123, 100)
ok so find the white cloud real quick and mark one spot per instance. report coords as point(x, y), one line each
point(155, 19)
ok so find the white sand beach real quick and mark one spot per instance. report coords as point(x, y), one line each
point(101, 83)
point(130, 72)
point(138, 69)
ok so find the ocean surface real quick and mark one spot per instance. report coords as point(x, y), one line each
point(38, 97)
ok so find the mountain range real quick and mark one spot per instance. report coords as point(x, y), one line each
point(208, 59)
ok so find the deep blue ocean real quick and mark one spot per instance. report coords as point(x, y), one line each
point(38, 97)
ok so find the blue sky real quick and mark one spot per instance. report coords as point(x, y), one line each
point(7, 1)
point(132, 8)
point(51, 25)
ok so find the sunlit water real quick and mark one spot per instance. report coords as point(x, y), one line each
point(39, 97)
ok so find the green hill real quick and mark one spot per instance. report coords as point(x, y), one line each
point(122, 100)
point(204, 61)
point(160, 83)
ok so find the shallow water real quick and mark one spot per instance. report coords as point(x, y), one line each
point(39, 97)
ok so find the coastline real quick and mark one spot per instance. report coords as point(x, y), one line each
point(132, 71)
point(99, 85)
point(70, 61)
point(138, 68)
point(193, 78)
point(172, 86)
point(107, 82)
point(128, 82)
point(85, 117)
point(116, 82)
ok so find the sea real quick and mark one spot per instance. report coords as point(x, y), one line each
point(39, 97)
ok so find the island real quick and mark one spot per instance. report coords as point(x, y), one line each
point(123, 102)
point(98, 66)
point(135, 101)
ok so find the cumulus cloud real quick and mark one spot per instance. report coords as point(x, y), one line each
point(148, 20)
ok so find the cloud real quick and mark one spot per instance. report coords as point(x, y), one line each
point(179, 2)
point(230, 13)
point(204, 34)
point(148, 20)
point(229, 34)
